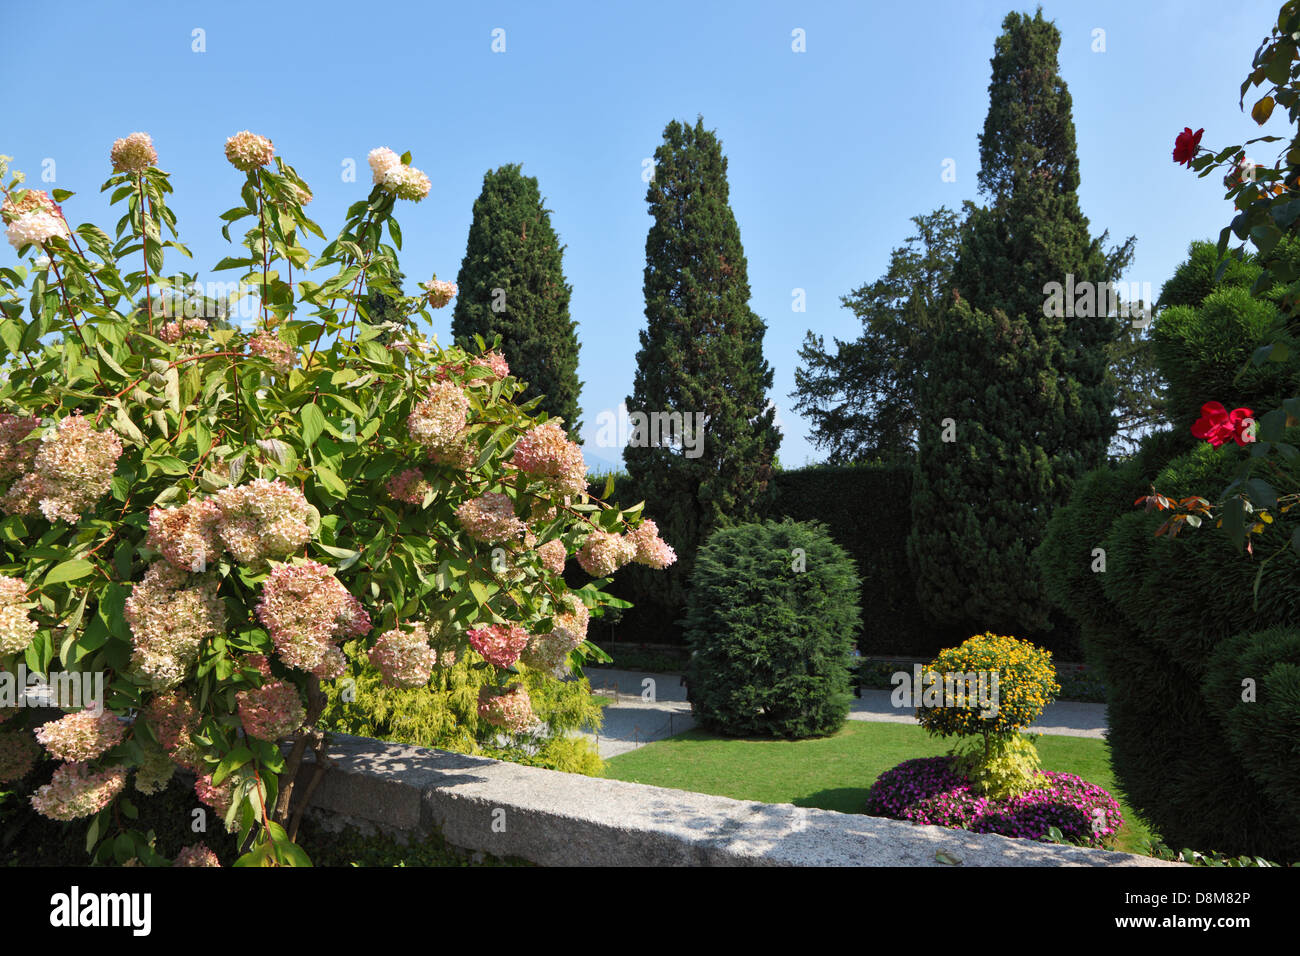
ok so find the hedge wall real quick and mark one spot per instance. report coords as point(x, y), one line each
point(865, 507)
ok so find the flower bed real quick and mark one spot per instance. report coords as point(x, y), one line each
point(929, 791)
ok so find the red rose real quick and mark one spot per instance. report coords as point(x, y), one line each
point(1185, 146)
point(1216, 424)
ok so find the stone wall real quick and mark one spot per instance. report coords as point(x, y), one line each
point(560, 819)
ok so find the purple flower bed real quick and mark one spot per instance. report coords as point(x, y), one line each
point(929, 791)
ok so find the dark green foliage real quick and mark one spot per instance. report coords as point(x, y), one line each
point(1029, 392)
point(701, 353)
point(512, 248)
point(980, 500)
point(861, 398)
point(1194, 279)
point(771, 642)
point(859, 506)
point(29, 839)
point(383, 310)
point(1165, 621)
point(1204, 353)
point(350, 847)
point(1263, 730)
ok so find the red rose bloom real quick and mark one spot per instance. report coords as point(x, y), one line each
point(1185, 146)
point(1216, 424)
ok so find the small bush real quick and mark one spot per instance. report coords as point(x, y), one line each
point(1007, 768)
point(771, 618)
point(990, 687)
point(444, 714)
point(1026, 683)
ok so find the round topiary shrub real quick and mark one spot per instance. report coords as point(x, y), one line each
point(771, 620)
point(991, 687)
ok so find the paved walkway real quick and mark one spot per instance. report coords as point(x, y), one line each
point(632, 720)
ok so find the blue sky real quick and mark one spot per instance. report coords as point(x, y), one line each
point(830, 150)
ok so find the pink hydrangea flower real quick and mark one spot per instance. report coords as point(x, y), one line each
point(404, 658)
point(196, 855)
point(81, 736)
point(263, 519)
point(271, 712)
point(651, 550)
point(17, 629)
point(173, 719)
point(409, 486)
point(36, 229)
point(71, 470)
point(550, 651)
point(553, 554)
point(133, 154)
point(307, 611)
point(603, 553)
point(545, 450)
point(16, 453)
point(512, 710)
point(274, 349)
point(218, 797)
point(499, 644)
point(172, 331)
point(26, 201)
point(169, 620)
point(187, 535)
point(438, 292)
point(247, 151)
point(439, 418)
point(382, 159)
point(490, 518)
point(76, 791)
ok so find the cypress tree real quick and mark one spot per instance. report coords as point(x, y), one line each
point(1025, 386)
point(511, 283)
point(701, 354)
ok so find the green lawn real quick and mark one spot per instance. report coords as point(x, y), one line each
point(832, 773)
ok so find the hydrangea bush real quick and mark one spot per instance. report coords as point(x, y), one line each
point(206, 514)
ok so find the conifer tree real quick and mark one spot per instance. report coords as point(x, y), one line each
point(511, 283)
point(1016, 401)
point(701, 355)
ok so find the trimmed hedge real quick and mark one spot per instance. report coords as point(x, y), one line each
point(1173, 623)
point(865, 510)
point(771, 631)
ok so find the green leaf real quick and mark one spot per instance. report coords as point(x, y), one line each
point(68, 571)
point(313, 423)
point(1234, 522)
point(326, 477)
point(230, 763)
point(107, 362)
point(346, 557)
point(1261, 493)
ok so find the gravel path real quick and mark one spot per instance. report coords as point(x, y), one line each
point(632, 720)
